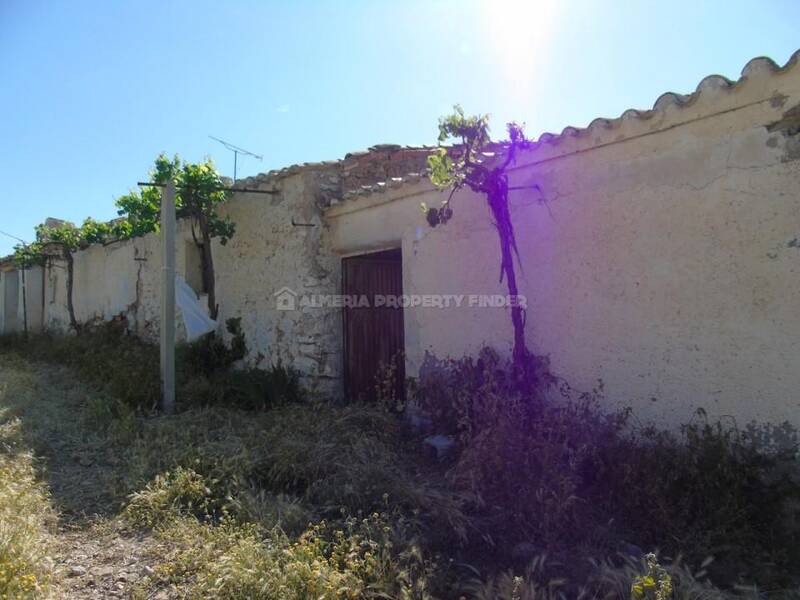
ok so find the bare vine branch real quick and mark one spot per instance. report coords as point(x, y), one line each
point(456, 167)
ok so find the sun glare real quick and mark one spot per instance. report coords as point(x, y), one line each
point(519, 35)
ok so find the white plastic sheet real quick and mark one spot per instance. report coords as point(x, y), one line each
point(195, 319)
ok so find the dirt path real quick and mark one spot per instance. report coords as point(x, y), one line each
point(96, 561)
point(92, 553)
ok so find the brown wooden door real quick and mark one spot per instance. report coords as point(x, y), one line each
point(373, 335)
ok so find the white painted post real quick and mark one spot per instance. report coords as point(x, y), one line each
point(168, 298)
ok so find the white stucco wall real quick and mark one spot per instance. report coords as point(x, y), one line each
point(665, 261)
point(114, 280)
point(13, 303)
point(34, 297)
point(661, 256)
point(9, 292)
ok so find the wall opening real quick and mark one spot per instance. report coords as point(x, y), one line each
point(193, 267)
point(373, 330)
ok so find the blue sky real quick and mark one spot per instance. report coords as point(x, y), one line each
point(91, 92)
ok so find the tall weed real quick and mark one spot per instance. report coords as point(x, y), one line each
point(560, 475)
point(26, 519)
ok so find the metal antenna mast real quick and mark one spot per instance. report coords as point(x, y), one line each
point(236, 152)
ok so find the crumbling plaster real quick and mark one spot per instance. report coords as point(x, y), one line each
point(279, 244)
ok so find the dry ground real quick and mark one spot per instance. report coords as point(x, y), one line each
point(90, 553)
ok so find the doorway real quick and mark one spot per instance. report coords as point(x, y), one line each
point(373, 330)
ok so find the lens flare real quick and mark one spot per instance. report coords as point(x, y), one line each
point(519, 36)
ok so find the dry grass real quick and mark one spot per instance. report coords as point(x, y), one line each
point(230, 494)
point(310, 500)
point(26, 516)
point(56, 471)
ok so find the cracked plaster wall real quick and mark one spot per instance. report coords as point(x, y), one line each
point(269, 253)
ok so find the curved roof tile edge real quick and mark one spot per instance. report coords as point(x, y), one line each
point(709, 85)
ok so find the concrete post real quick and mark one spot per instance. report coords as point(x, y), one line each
point(168, 298)
point(24, 297)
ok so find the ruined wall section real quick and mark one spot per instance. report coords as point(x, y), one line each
point(277, 250)
point(381, 164)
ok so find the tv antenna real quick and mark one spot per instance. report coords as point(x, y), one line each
point(236, 152)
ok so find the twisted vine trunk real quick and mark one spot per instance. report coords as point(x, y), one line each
point(73, 322)
point(497, 195)
point(208, 268)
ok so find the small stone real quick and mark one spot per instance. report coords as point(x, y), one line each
point(77, 571)
point(308, 349)
point(104, 571)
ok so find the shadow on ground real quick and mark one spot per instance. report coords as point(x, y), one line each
point(78, 464)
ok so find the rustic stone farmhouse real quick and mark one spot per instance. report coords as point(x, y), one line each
point(660, 254)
